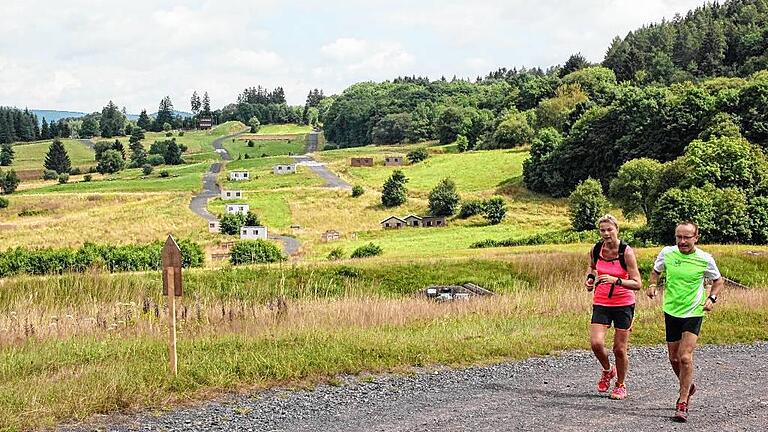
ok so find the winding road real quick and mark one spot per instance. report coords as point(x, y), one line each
point(541, 393)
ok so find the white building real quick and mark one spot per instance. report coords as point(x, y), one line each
point(238, 208)
point(231, 194)
point(284, 169)
point(253, 233)
point(238, 175)
point(213, 226)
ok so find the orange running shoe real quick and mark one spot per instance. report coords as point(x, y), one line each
point(605, 380)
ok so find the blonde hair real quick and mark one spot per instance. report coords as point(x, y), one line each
point(610, 219)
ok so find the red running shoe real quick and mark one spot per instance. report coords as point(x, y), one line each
point(605, 380)
point(681, 412)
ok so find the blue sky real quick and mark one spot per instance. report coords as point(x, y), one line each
point(77, 55)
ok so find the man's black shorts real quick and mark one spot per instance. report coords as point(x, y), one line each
point(676, 326)
point(620, 316)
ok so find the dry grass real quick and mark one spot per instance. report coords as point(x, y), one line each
point(115, 218)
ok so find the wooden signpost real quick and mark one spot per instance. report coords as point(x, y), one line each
point(172, 287)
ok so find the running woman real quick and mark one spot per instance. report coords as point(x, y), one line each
point(685, 302)
point(614, 277)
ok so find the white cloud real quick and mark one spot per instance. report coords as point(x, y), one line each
point(79, 54)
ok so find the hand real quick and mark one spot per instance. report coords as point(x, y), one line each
point(651, 292)
point(604, 278)
point(708, 305)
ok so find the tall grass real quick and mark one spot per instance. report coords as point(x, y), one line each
point(75, 345)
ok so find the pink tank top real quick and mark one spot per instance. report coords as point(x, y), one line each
point(621, 296)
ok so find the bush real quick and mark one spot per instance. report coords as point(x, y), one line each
point(444, 199)
point(255, 251)
point(495, 210)
point(169, 134)
point(87, 178)
point(50, 175)
point(231, 223)
point(357, 191)
point(586, 205)
point(181, 133)
point(367, 250)
point(471, 208)
point(462, 143)
point(147, 169)
point(9, 182)
point(417, 155)
point(394, 193)
point(164, 173)
point(63, 178)
point(4, 203)
point(251, 143)
point(336, 254)
point(112, 258)
point(75, 171)
point(111, 162)
point(155, 160)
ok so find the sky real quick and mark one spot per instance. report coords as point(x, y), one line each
point(77, 55)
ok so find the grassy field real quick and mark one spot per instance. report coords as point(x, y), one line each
point(75, 345)
point(262, 178)
point(54, 220)
point(271, 206)
point(239, 148)
point(31, 156)
point(182, 178)
point(284, 129)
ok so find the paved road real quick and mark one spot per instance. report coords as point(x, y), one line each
point(199, 202)
point(331, 179)
point(550, 393)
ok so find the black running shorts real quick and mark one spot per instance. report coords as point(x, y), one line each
point(620, 316)
point(676, 326)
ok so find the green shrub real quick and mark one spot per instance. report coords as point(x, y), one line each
point(4, 203)
point(87, 178)
point(444, 199)
point(63, 178)
point(471, 208)
point(231, 223)
point(251, 143)
point(495, 210)
point(155, 160)
point(181, 133)
point(111, 258)
point(336, 254)
point(169, 134)
point(357, 191)
point(147, 169)
point(417, 155)
point(255, 251)
point(586, 205)
point(394, 193)
point(347, 271)
point(164, 173)
point(462, 143)
point(50, 175)
point(367, 250)
point(75, 171)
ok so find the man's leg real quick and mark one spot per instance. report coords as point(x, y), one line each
point(685, 354)
point(674, 356)
point(597, 341)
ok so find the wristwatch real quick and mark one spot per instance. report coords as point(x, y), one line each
point(713, 298)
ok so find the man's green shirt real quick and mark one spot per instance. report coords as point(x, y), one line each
point(684, 294)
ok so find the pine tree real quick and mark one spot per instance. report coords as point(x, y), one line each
point(144, 122)
point(164, 114)
point(57, 158)
point(138, 154)
point(195, 103)
point(394, 193)
point(6, 155)
point(53, 129)
point(206, 110)
point(45, 132)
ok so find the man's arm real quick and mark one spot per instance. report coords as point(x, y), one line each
point(654, 279)
point(717, 285)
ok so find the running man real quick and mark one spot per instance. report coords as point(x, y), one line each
point(614, 276)
point(685, 302)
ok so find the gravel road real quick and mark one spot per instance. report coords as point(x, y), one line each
point(549, 393)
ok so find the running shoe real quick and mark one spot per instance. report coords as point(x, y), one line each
point(605, 380)
point(619, 392)
point(681, 412)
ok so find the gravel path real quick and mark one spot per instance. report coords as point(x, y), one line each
point(550, 393)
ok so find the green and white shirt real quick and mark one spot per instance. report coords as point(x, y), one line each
point(684, 295)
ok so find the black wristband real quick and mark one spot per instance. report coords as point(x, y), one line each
point(712, 298)
point(618, 281)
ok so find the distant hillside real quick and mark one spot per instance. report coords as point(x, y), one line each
point(53, 115)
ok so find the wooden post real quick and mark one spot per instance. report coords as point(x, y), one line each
point(172, 288)
point(172, 357)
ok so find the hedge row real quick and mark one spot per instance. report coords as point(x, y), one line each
point(108, 257)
